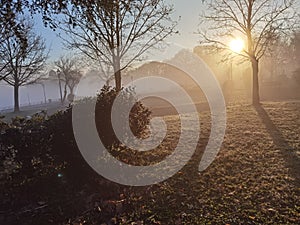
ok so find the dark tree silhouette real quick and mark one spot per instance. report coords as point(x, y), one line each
point(69, 73)
point(24, 64)
point(9, 25)
point(296, 55)
point(258, 22)
point(11, 10)
point(117, 32)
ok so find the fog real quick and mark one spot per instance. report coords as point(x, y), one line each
point(277, 80)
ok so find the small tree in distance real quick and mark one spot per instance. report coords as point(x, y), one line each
point(69, 73)
point(258, 22)
point(24, 64)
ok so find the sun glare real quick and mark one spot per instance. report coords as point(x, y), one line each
point(237, 45)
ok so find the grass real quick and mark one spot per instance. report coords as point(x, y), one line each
point(50, 108)
point(253, 180)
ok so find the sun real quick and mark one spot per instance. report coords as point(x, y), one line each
point(237, 45)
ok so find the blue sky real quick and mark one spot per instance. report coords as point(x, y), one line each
point(188, 10)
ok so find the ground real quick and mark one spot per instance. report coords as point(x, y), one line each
point(50, 108)
point(253, 180)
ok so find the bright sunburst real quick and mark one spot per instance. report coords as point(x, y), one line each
point(237, 45)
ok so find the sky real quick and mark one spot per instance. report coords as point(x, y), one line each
point(190, 11)
point(187, 10)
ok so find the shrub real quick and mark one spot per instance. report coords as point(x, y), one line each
point(64, 144)
point(25, 145)
point(42, 144)
point(138, 120)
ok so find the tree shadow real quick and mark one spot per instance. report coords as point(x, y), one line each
point(287, 151)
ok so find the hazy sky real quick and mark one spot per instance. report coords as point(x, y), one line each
point(188, 10)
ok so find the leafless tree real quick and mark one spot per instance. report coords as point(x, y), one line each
point(68, 72)
point(101, 69)
point(296, 55)
point(105, 72)
point(10, 22)
point(116, 32)
point(296, 48)
point(3, 64)
point(24, 64)
point(7, 30)
point(258, 22)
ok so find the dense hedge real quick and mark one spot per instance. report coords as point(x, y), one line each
point(138, 121)
point(45, 145)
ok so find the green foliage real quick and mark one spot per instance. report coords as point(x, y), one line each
point(44, 145)
point(25, 143)
point(41, 167)
point(64, 144)
point(138, 120)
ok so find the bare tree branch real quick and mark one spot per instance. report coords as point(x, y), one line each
point(23, 64)
point(258, 22)
point(119, 32)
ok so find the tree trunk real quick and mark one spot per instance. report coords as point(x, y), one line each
point(117, 73)
point(16, 99)
point(255, 87)
point(65, 94)
point(118, 42)
point(118, 80)
point(71, 88)
point(60, 91)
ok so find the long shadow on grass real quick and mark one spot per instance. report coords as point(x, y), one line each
point(288, 152)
